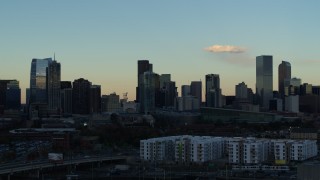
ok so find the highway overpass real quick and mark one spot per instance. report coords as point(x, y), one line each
point(15, 167)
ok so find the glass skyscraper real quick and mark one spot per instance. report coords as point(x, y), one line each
point(149, 88)
point(143, 66)
point(264, 80)
point(196, 90)
point(38, 80)
point(284, 73)
point(213, 91)
point(54, 87)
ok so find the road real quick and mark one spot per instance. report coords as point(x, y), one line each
point(21, 166)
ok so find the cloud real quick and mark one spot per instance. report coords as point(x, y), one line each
point(225, 49)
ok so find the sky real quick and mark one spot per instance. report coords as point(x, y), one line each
point(101, 40)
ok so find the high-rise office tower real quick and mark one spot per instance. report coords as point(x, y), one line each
point(284, 72)
point(143, 66)
point(110, 103)
point(66, 101)
point(241, 91)
point(81, 96)
point(164, 78)
point(305, 89)
point(10, 95)
point(54, 87)
point(213, 91)
point(38, 80)
point(292, 86)
point(148, 91)
point(95, 99)
point(196, 90)
point(185, 90)
point(264, 80)
point(13, 99)
point(168, 94)
point(66, 97)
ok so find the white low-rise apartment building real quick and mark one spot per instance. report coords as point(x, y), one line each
point(282, 150)
point(157, 149)
point(302, 150)
point(247, 150)
point(235, 150)
point(255, 151)
point(182, 149)
point(206, 148)
point(240, 150)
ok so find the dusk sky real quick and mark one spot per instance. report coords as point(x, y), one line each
point(101, 40)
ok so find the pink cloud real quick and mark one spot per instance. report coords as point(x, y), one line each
point(225, 49)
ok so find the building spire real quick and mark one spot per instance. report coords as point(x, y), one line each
point(54, 56)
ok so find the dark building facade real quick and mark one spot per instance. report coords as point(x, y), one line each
point(316, 90)
point(66, 101)
point(149, 88)
point(54, 87)
point(65, 84)
point(284, 72)
point(213, 91)
point(196, 90)
point(10, 95)
point(143, 66)
point(13, 95)
point(81, 96)
point(95, 99)
point(38, 80)
point(66, 97)
point(168, 94)
point(264, 80)
point(309, 104)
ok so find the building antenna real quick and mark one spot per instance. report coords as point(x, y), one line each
point(54, 56)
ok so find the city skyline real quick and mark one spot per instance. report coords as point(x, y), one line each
point(102, 41)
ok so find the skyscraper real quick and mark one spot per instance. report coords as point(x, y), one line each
point(95, 99)
point(185, 90)
point(164, 78)
point(264, 80)
point(66, 97)
point(81, 96)
point(168, 94)
point(213, 91)
point(38, 80)
point(143, 66)
point(110, 103)
point(284, 72)
point(241, 91)
point(148, 91)
point(10, 95)
point(66, 101)
point(54, 87)
point(196, 90)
